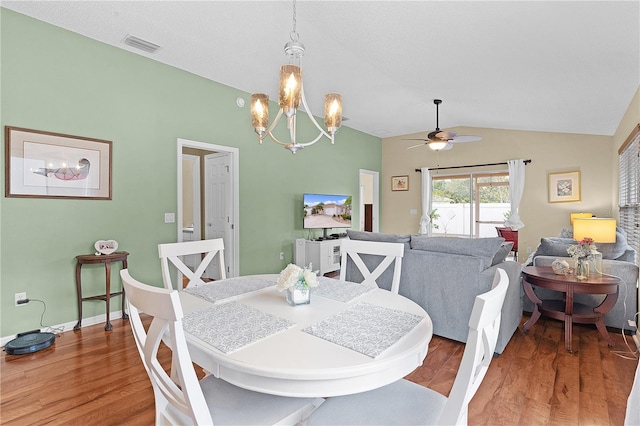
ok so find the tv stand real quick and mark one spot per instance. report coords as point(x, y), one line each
point(324, 255)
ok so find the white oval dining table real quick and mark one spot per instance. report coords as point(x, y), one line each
point(295, 363)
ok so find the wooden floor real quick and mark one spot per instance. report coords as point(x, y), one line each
point(93, 377)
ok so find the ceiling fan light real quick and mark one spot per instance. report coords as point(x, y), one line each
point(290, 88)
point(332, 112)
point(437, 145)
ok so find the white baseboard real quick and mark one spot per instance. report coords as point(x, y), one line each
point(69, 325)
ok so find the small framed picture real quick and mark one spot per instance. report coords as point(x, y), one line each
point(564, 187)
point(400, 183)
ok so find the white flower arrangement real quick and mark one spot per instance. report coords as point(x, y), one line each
point(295, 276)
point(585, 249)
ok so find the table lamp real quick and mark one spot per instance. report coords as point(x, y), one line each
point(600, 230)
point(579, 216)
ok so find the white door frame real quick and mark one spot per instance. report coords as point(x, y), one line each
point(375, 176)
point(234, 154)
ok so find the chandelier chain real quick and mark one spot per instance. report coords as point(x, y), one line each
point(294, 34)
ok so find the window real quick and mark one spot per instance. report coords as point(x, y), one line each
point(629, 203)
point(470, 205)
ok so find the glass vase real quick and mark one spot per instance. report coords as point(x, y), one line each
point(298, 295)
point(582, 269)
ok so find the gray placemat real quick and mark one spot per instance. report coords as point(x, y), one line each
point(365, 328)
point(231, 287)
point(342, 291)
point(232, 326)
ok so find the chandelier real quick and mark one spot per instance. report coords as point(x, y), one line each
point(290, 95)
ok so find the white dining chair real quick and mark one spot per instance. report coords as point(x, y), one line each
point(390, 253)
point(171, 253)
point(183, 400)
point(407, 403)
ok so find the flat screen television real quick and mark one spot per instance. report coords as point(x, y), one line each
point(326, 211)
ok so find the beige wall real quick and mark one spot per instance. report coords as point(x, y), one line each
point(549, 152)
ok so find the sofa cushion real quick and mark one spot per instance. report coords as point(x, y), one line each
point(377, 236)
point(502, 253)
point(484, 248)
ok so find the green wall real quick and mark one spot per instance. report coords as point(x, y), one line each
point(55, 80)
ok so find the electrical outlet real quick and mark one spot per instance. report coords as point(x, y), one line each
point(20, 296)
point(529, 250)
point(169, 218)
point(281, 255)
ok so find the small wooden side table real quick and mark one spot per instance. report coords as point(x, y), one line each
point(107, 259)
point(567, 310)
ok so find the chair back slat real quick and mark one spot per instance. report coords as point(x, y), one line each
point(484, 326)
point(392, 254)
point(170, 254)
point(177, 396)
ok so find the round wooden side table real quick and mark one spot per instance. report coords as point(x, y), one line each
point(567, 310)
point(106, 259)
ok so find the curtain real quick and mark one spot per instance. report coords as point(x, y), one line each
point(425, 219)
point(516, 188)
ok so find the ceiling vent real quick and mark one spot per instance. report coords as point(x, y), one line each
point(141, 44)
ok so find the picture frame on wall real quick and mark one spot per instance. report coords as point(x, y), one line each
point(400, 183)
point(40, 164)
point(564, 187)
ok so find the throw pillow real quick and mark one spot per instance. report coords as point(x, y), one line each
point(502, 253)
point(484, 248)
point(554, 246)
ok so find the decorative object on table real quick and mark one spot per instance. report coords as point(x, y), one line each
point(564, 187)
point(400, 183)
point(42, 164)
point(561, 267)
point(106, 246)
point(297, 282)
point(582, 253)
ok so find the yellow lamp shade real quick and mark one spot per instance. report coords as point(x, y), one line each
point(580, 216)
point(600, 230)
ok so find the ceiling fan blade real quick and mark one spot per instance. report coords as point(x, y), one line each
point(423, 140)
point(415, 146)
point(466, 139)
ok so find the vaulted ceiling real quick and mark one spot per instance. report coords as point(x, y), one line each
point(560, 66)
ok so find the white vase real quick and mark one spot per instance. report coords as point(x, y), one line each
point(298, 296)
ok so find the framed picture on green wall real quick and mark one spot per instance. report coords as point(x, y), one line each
point(41, 164)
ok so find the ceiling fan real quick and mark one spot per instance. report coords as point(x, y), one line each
point(440, 140)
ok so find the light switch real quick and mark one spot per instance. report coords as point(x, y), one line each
point(413, 211)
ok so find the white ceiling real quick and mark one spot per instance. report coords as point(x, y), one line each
point(561, 66)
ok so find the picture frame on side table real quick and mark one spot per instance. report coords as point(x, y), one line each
point(400, 183)
point(564, 187)
point(41, 164)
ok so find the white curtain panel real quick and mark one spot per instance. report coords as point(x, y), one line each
point(516, 188)
point(425, 219)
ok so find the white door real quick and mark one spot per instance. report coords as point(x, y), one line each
point(218, 208)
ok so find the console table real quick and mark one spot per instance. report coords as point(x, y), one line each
point(567, 310)
point(106, 259)
point(324, 254)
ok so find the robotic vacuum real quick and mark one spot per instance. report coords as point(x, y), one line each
point(29, 342)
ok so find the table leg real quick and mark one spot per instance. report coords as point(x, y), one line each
point(124, 314)
point(79, 292)
point(607, 304)
point(107, 267)
point(535, 315)
point(568, 319)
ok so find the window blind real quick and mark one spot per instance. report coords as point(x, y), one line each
point(629, 204)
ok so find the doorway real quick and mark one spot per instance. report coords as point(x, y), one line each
point(208, 198)
point(369, 200)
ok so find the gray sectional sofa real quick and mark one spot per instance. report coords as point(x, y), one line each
point(444, 275)
point(619, 259)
